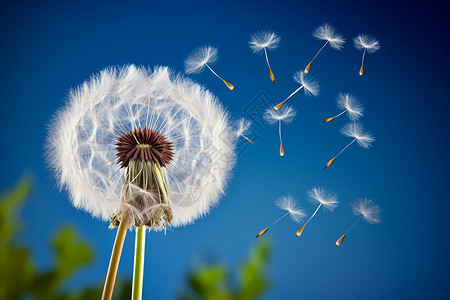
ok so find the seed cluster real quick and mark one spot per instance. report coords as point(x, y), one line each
point(144, 144)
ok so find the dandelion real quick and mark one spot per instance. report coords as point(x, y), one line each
point(201, 57)
point(242, 129)
point(261, 42)
point(309, 85)
point(324, 198)
point(364, 208)
point(141, 147)
point(350, 105)
point(368, 44)
point(357, 132)
point(288, 204)
point(285, 115)
point(327, 33)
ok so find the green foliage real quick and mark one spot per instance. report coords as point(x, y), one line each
point(19, 276)
point(213, 282)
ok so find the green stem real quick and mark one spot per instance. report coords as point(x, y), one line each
point(115, 258)
point(139, 254)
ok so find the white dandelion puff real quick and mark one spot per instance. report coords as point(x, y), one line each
point(242, 129)
point(261, 42)
point(309, 85)
point(140, 147)
point(327, 33)
point(357, 132)
point(285, 115)
point(202, 57)
point(367, 209)
point(348, 104)
point(324, 198)
point(288, 204)
point(364, 208)
point(366, 43)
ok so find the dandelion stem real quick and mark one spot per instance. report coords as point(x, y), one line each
point(139, 254)
point(332, 118)
point(272, 77)
point(334, 158)
point(314, 213)
point(279, 219)
point(346, 147)
point(309, 65)
point(292, 94)
point(115, 257)
point(353, 225)
point(361, 71)
point(228, 84)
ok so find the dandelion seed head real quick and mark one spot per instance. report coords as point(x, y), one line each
point(85, 150)
point(197, 59)
point(288, 204)
point(350, 103)
point(366, 41)
point(322, 196)
point(285, 114)
point(241, 127)
point(264, 40)
point(357, 131)
point(366, 208)
point(310, 85)
point(327, 32)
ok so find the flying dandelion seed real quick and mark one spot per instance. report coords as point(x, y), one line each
point(141, 147)
point(357, 132)
point(364, 208)
point(285, 115)
point(350, 105)
point(201, 57)
point(261, 42)
point(324, 198)
point(366, 43)
point(309, 85)
point(242, 129)
point(327, 33)
point(288, 204)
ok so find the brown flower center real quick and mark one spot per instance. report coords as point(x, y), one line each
point(144, 144)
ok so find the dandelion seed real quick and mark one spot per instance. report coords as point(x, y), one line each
point(285, 115)
point(309, 85)
point(202, 57)
point(288, 204)
point(366, 209)
point(261, 42)
point(242, 129)
point(324, 198)
point(327, 33)
point(366, 43)
point(140, 147)
point(357, 132)
point(350, 105)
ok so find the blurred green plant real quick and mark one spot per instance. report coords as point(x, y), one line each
point(19, 276)
point(214, 282)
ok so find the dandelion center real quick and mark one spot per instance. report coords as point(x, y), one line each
point(144, 144)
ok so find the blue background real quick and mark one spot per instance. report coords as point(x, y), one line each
point(49, 47)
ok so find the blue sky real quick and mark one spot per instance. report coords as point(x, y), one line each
point(48, 48)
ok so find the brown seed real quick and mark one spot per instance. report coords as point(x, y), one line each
point(361, 71)
point(300, 231)
point(329, 119)
point(329, 163)
point(262, 232)
point(281, 150)
point(229, 85)
point(272, 77)
point(339, 241)
point(307, 68)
